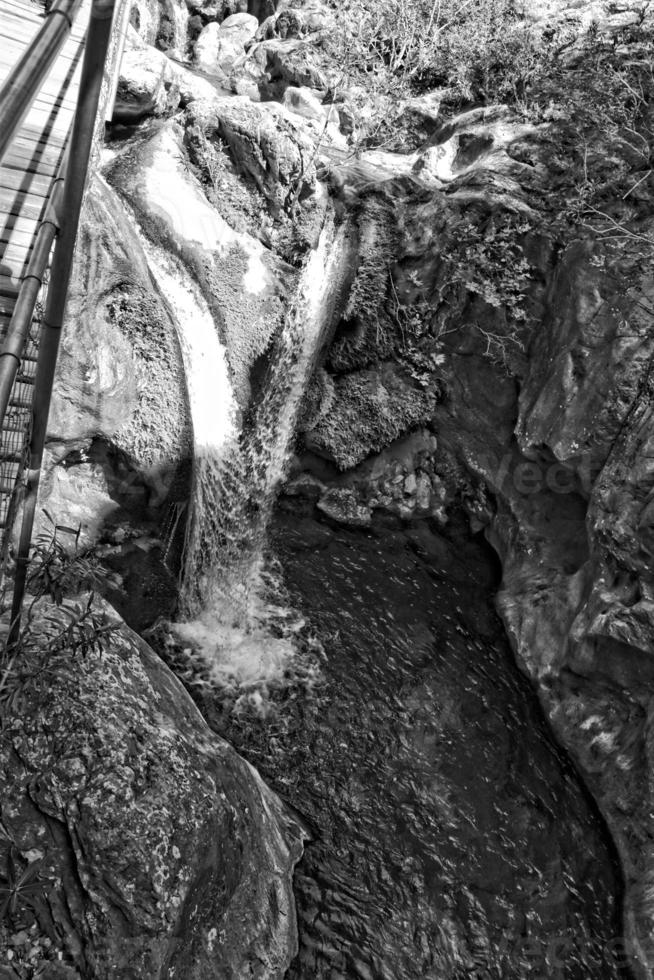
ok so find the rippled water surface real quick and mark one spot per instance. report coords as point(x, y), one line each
point(450, 839)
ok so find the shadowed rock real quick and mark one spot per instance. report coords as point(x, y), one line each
point(160, 851)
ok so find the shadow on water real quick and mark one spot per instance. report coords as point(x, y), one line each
point(451, 838)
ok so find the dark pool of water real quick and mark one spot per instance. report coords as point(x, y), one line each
point(451, 839)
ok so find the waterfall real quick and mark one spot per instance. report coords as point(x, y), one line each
point(235, 490)
point(226, 590)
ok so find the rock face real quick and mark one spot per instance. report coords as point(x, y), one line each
point(480, 355)
point(540, 408)
point(161, 23)
point(121, 372)
point(119, 434)
point(160, 853)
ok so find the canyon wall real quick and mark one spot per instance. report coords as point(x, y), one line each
point(487, 357)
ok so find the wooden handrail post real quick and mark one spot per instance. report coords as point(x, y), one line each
point(79, 152)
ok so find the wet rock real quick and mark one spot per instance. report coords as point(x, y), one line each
point(161, 23)
point(148, 827)
point(119, 436)
point(241, 281)
point(588, 362)
point(113, 380)
point(399, 481)
point(79, 497)
point(274, 154)
point(341, 505)
point(146, 86)
point(369, 410)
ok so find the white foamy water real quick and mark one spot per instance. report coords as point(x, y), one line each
point(212, 402)
point(251, 642)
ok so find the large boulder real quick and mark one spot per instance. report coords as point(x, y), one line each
point(146, 86)
point(152, 84)
point(150, 847)
point(267, 141)
point(368, 410)
point(275, 153)
point(119, 431)
point(220, 47)
point(120, 375)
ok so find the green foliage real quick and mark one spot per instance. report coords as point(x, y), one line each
point(598, 103)
point(63, 625)
point(23, 886)
point(474, 50)
point(491, 263)
point(57, 569)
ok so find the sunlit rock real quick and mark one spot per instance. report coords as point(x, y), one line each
point(146, 86)
point(221, 46)
point(242, 282)
point(162, 23)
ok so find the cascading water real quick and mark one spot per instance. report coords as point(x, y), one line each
point(235, 489)
point(226, 591)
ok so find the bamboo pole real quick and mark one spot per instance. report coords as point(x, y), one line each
point(81, 142)
point(21, 86)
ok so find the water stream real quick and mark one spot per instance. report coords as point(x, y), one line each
point(366, 676)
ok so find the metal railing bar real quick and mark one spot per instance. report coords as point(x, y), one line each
point(79, 153)
point(26, 77)
point(21, 321)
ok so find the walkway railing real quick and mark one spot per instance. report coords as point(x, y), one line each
point(58, 225)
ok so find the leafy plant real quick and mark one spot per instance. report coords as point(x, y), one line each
point(72, 626)
point(22, 888)
point(58, 570)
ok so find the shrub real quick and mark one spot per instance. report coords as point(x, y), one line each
point(52, 623)
point(476, 50)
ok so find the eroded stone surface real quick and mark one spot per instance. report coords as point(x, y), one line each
point(162, 852)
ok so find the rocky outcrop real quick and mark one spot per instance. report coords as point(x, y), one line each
point(535, 348)
point(368, 411)
point(220, 47)
point(120, 385)
point(494, 348)
point(150, 848)
point(241, 281)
